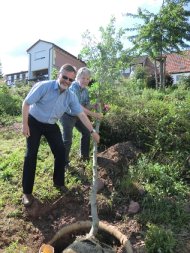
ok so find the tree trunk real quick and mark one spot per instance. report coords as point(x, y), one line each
point(161, 74)
point(156, 73)
point(93, 202)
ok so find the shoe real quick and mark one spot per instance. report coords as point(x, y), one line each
point(61, 188)
point(27, 200)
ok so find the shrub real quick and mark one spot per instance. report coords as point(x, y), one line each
point(157, 121)
point(159, 240)
point(11, 99)
point(151, 83)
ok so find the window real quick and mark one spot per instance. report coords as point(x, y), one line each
point(40, 55)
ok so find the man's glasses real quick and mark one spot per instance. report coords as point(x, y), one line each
point(67, 78)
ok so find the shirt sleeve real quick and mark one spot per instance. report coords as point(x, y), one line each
point(75, 106)
point(36, 93)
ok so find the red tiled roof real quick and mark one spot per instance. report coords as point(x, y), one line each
point(178, 63)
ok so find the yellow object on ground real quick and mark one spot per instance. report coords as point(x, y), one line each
point(46, 248)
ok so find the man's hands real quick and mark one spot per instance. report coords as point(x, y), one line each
point(25, 130)
point(96, 137)
point(25, 127)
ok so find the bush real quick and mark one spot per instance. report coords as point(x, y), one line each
point(151, 83)
point(159, 240)
point(185, 81)
point(11, 99)
point(157, 121)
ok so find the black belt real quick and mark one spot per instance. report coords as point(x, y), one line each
point(70, 115)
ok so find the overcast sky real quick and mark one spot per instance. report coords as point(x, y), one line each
point(24, 22)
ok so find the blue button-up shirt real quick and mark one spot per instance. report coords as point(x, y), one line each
point(47, 104)
point(82, 94)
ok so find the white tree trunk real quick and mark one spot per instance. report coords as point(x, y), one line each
point(93, 202)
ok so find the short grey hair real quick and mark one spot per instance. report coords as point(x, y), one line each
point(69, 68)
point(83, 71)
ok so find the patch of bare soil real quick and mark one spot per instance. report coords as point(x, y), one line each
point(41, 222)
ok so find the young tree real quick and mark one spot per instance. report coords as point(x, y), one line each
point(162, 33)
point(104, 58)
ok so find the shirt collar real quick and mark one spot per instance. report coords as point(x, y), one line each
point(56, 85)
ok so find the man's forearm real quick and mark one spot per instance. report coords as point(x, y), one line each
point(25, 111)
point(91, 113)
point(85, 120)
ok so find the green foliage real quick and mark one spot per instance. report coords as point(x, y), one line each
point(130, 187)
point(11, 99)
point(8, 103)
point(157, 122)
point(16, 247)
point(151, 82)
point(159, 240)
point(161, 180)
point(153, 120)
point(163, 210)
point(165, 192)
point(105, 59)
point(140, 73)
point(136, 123)
point(185, 81)
point(163, 32)
point(54, 73)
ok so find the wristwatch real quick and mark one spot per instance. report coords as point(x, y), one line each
point(92, 131)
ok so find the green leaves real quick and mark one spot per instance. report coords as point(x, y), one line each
point(159, 240)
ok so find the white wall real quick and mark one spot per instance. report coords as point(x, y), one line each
point(177, 77)
point(40, 55)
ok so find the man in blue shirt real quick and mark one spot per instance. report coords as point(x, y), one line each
point(69, 119)
point(42, 108)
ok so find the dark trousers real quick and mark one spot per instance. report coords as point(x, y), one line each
point(53, 135)
point(69, 122)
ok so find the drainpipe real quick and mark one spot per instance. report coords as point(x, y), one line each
point(49, 70)
point(29, 69)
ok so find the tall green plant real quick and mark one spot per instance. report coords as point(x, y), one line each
point(54, 73)
point(159, 240)
point(104, 57)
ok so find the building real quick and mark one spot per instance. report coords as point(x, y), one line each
point(142, 61)
point(44, 56)
point(178, 65)
point(13, 78)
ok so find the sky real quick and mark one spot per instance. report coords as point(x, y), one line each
point(24, 22)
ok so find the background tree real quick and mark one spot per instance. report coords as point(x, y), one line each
point(162, 33)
